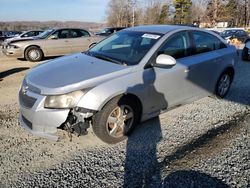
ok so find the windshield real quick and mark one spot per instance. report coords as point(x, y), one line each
point(45, 34)
point(127, 47)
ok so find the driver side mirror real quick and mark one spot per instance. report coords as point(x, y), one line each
point(165, 61)
point(53, 37)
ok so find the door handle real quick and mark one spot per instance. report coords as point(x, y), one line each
point(66, 41)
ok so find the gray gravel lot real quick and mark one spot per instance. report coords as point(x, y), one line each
point(203, 144)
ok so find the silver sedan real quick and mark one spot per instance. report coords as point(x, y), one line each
point(130, 77)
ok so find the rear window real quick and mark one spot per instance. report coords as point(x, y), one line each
point(205, 42)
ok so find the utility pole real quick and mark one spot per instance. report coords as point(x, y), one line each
point(215, 11)
point(132, 4)
point(181, 16)
point(246, 13)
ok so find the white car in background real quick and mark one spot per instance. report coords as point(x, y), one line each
point(25, 35)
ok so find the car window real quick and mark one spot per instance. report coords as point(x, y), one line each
point(177, 46)
point(29, 34)
point(240, 34)
point(45, 34)
point(76, 33)
point(39, 32)
point(205, 42)
point(62, 34)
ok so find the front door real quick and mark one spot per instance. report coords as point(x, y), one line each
point(172, 82)
point(58, 43)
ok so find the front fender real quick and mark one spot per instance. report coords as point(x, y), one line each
point(97, 97)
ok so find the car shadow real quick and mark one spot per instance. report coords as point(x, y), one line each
point(141, 151)
point(141, 156)
point(190, 178)
point(141, 166)
point(11, 71)
point(142, 169)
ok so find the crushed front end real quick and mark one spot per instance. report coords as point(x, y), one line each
point(44, 122)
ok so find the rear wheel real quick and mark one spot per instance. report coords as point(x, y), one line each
point(223, 84)
point(33, 54)
point(116, 120)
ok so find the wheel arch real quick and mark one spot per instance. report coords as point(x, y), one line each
point(247, 40)
point(129, 96)
point(100, 104)
point(230, 70)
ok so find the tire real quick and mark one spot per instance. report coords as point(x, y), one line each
point(33, 54)
point(223, 84)
point(112, 127)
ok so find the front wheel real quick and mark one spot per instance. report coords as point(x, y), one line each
point(223, 84)
point(33, 54)
point(115, 120)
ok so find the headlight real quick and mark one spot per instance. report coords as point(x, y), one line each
point(68, 100)
point(12, 46)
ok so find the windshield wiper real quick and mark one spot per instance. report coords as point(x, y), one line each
point(103, 57)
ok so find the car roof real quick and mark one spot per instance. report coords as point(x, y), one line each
point(67, 28)
point(162, 29)
point(32, 30)
point(234, 30)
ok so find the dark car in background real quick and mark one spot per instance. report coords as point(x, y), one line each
point(110, 30)
point(239, 34)
point(246, 51)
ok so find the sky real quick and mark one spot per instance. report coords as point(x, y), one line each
point(59, 10)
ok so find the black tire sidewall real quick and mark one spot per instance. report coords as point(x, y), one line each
point(218, 82)
point(33, 48)
point(100, 119)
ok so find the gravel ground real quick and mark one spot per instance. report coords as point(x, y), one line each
point(203, 144)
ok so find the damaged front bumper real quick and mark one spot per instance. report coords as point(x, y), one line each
point(43, 122)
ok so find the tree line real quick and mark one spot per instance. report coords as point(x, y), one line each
point(33, 25)
point(127, 13)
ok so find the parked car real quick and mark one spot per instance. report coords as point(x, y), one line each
point(8, 34)
point(246, 51)
point(110, 30)
point(25, 35)
point(129, 77)
point(239, 34)
point(54, 42)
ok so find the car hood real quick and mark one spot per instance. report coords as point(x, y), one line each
point(14, 40)
point(73, 72)
point(18, 39)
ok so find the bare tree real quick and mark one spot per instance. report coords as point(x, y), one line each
point(152, 11)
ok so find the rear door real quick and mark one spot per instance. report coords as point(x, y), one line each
point(58, 43)
point(204, 66)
